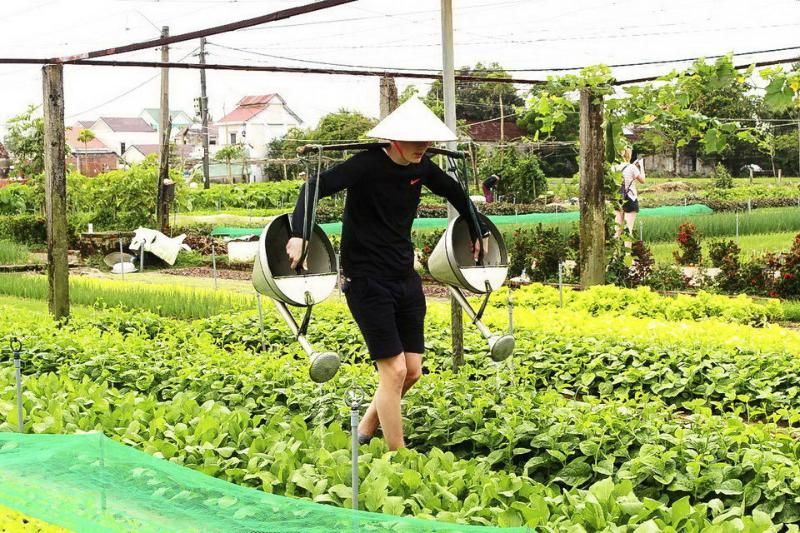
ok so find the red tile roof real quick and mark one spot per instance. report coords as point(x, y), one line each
point(248, 107)
point(146, 149)
point(490, 130)
point(77, 146)
point(128, 124)
point(261, 100)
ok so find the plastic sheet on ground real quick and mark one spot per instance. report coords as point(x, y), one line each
point(88, 483)
point(335, 228)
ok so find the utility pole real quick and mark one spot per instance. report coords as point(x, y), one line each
point(388, 96)
point(162, 213)
point(204, 114)
point(55, 197)
point(449, 93)
point(502, 122)
point(592, 204)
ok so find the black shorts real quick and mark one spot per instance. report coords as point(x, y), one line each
point(630, 206)
point(389, 312)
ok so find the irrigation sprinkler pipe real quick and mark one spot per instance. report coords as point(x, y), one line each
point(354, 397)
point(214, 264)
point(121, 260)
point(16, 348)
point(510, 312)
point(261, 322)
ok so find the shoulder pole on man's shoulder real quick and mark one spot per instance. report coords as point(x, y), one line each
point(303, 150)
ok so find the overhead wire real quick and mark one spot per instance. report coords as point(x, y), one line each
point(491, 71)
point(129, 91)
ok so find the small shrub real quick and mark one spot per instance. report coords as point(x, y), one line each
point(722, 179)
point(729, 278)
point(719, 250)
point(788, 284)
point(689, 245)
point(667, 278)
point(540, 250)
point(425, 243)
point(643, 263)
point(24, 229)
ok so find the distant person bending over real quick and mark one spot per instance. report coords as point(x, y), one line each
point(489, 184)
point(383, 291)
point(629, 206)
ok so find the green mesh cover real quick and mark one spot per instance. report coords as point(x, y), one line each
point(89, 483)
point(422, 224)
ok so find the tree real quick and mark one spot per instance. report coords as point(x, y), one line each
point(85, 136)
point(229, 153)
point(25, 142)
point(687, 108)
point(477, 100)
point(343, 125)
point(520, 174)
point(535, 113)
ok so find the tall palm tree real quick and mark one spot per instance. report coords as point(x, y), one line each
point(85, 136)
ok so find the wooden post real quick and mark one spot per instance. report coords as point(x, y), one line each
point(388, 96)
point(592, 201)
point(162, 213)
point(55, 196)
point(449, 93)
point(204, 115)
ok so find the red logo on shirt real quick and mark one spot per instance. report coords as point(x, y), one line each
point(414, 181)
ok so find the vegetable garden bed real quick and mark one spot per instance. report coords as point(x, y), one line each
point(675, 420)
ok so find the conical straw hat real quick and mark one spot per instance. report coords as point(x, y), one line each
point(412, 121)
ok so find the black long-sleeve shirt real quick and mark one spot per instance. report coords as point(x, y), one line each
point(382, 200)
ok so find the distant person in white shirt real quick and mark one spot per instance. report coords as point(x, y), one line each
point(629, 204)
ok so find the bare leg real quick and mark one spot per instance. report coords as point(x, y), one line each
point(369, 424)
point(630, 223)
point(618, 222)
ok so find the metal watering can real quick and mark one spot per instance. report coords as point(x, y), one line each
point(452, 263)
point(305, 287)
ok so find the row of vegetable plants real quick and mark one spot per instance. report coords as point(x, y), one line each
point(223, 376)
point(282, 454)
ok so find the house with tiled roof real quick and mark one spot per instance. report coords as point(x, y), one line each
point(92, 157)
point(120, 132)
point(136, 153)
point(178, 119)
point(255, 122)
point(490, 131)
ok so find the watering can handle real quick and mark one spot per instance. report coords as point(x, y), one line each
point(307, 317)
point(485, 301)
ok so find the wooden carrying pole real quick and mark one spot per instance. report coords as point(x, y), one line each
point(592, 201)
point(55, 196)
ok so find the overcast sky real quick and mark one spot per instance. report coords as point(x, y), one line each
point(519, 34)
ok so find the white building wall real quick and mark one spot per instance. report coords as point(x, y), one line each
point(133, 156)
point(113, 139)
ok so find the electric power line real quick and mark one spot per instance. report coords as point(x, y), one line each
point(487, 71)
point(126, 93)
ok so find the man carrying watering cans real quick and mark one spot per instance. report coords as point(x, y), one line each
point(383, 291)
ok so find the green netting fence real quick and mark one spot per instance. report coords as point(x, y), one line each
point(88, 482)
point(423, 224)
